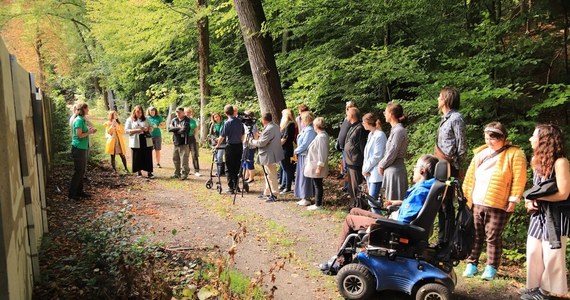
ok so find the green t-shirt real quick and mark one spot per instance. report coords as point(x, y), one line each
point(192, 126)
point(155, 121)
point(81, 143)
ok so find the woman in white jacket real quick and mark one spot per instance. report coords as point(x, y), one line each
point(316, 162)
point(140, 142)
point(373, 153)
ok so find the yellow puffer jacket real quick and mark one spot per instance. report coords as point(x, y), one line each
point(507, 182)
point(111, 139)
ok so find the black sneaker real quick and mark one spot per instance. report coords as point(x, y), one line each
point(271, 199)
point(84, 195)
point(150, 176)
point(535, 294)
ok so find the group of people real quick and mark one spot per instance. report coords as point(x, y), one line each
point(493, 183)
point(275, 145)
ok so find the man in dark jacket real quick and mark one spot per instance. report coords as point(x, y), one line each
point(179, 128)
point(354, 152)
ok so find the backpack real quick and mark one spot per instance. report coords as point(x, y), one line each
point(463, 236)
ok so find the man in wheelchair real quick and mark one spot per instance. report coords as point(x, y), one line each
point(359, 219)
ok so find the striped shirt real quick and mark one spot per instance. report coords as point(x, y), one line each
point(538, 221)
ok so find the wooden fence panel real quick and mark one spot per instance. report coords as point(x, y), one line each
point(16, 275)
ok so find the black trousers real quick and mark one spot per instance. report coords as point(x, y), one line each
point(233, 160)
point(446, 214)
point(318, 186)
point(355, 178)
point(80, 164)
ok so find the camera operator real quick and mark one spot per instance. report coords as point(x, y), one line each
point(232, 133)
point(270, 153)
point(250, 128)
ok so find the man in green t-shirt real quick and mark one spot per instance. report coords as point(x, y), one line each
point(192, 144)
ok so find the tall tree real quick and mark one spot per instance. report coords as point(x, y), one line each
point(261, 58)
point(203, 57)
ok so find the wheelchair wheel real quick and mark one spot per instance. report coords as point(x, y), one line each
point(219, 189)
point(209, 184)
point(433, 291)
point(354, 281)
point(246, 187)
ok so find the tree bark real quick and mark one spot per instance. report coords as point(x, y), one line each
point(38, 45)
point(261, 58)
point(203, 56)
point(566, 24)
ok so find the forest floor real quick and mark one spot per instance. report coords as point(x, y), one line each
point(282, 246)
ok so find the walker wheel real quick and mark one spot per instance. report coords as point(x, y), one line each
point(219, 189)
point(209, 184)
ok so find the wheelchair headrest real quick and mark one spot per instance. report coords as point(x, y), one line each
point(442, 171)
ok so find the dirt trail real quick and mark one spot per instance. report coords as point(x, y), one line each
point(203, 218)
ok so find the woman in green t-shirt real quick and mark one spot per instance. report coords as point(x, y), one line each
point(79, 145)
point(156, 122)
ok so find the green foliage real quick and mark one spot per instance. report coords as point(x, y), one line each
point(60, 131)
point(508, 64)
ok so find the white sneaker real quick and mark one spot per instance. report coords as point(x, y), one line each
point(197, 174)
point(313, 207)
point(304, 202)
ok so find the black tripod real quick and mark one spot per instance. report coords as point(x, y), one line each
point(241, 173)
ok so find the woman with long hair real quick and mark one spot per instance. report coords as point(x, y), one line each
point(140, 141)
point(115, 144)
point(80, 133)
point(494, 183)
point(546, 262)
point(156, 122)
point(304, 185)
point(395, 181)
point(288, 128)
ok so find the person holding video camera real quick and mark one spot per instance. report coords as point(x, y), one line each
point(250, 129)
point(232, 133)
point(270, 153)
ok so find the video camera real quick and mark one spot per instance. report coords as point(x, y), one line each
point(247, 118)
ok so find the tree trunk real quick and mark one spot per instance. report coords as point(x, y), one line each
point(203, 55)
point(284, 41)
point(261, 59)
point(40, 60)
point(564, 5)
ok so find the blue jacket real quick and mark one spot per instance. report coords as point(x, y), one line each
point(373, 153)
point(304, 139)
point(415, 198)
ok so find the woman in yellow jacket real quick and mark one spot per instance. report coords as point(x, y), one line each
point(115, 144)
point(494, 184)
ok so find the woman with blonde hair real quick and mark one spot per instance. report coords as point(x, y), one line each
point(547, 232)
point(316, 161)
point(140, 141)
point(288, 128)
point(304, 185)
point(79, 145)
point(115, 144)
